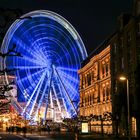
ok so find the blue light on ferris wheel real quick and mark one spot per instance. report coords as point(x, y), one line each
point(52, 52)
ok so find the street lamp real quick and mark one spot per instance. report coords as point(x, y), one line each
point(123, 78)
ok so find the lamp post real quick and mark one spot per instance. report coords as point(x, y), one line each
point(123, 78)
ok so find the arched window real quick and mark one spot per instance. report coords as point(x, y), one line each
point(103, 70)
point(89, 79)
point(107, 93)
point(107, 69)
point(104, 93)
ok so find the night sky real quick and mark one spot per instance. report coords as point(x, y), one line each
point(94, 20)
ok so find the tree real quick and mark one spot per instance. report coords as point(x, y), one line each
point(5, 88)
point(7, 17)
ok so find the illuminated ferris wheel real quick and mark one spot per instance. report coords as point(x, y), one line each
point(47, 79)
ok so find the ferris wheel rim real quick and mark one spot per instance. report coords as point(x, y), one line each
point(53, 15)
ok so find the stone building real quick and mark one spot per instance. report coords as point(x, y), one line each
point(125, 60)
point(101, 90)
point(95, 84)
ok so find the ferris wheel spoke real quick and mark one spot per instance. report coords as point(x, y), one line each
point(48, 94)
point(24, 44)
point(27, 67)
point(31, 76)
point(70, 84)
point(34, 60)
point(59, 94)
point(66, 91)
point(57, 100)
point(70, 87)
point(67, 75)
point(37, 93)
point(41, 100)
point(67, 69)
point(36, 88)
point(52, 51)
point(60, 46)
point(64, 100)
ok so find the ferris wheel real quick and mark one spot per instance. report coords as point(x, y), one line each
point(52, 51)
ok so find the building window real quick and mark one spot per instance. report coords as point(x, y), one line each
point(138, 27)
point(82, 82)
point(115, 48)
point(93, 76)
point(115, 66)
point(122, 62)
point(104, 93)
point(107, 93)
point(103, 70)
point(134, 127)
point(93, 98)
point(121, 43)
point(87, 100)
point(129, 57)
point(107, 69)
point(129, 37)
point(138, 8)
point(89, 79)
point(90, 99)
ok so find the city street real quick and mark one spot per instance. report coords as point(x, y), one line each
point(57, 136)
point(69, 70)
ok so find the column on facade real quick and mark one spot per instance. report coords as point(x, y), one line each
point(84, 80)
point(103, 69)
point(92, 76)
point(108, 66)
point(81, 81)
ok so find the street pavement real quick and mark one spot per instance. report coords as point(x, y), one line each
point(57, 136)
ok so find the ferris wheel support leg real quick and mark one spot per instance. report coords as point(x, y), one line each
point(29, 101)
point(66, 91)
point(58, 103)
point(45, 114)
point(41, 100)
point(37, 93)
point(63, 102)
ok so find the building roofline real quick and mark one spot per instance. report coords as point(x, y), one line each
point(98, 49)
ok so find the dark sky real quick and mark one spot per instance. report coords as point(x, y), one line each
point(93, 19)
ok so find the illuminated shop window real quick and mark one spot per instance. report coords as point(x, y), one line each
point(134, 127)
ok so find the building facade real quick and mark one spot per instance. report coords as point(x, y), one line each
point(125, 60)
point(95, 84)
point(102, 91)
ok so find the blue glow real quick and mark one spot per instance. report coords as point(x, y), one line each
point(52, 53)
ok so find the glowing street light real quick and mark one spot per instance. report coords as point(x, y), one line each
point(123, 78)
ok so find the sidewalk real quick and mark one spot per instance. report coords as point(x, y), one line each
point(90, 136)
point(97, 136)
point(72, 135)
